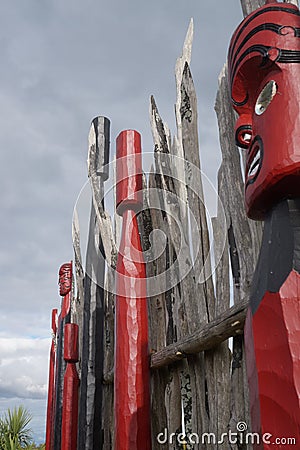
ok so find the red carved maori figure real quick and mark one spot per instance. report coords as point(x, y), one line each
point(70, 390)
point(65, 290)
point(51, 386)
point(264, 79)
point(131, 386)
point(65, 279)
point(264, 70)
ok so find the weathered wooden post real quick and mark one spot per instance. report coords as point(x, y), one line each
point(70, 391)
point(65, 290)
point(131, 388)
point(264, 79)
point(51, 383)
point(92, 353)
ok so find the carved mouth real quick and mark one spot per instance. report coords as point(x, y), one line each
point(255, 164)
point(255, 160)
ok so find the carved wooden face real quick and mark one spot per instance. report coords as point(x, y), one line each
point(65, 279)
point(264, 79)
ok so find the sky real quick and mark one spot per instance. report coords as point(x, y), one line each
point(62, 64)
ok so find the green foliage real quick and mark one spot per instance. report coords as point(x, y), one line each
point(35, 447)
point(15, 433)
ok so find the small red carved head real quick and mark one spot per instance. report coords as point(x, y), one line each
point(65, 279)
point(264, 79)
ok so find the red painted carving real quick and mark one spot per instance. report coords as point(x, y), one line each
point(65, 288)
point(65, 285)
point(129, 194)
point(70, 391)
point(65, 279)
point(71, 343)
point(51, 388)
point(273, 363)
point(264, 78)
point(131, 384)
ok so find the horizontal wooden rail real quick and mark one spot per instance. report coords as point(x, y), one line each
point(228, 324)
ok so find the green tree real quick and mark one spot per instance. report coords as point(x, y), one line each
point(15, 433)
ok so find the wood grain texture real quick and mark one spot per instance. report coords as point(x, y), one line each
point(79, 276)
point(186, 302)
point(190, 143)
point(90, 434)
point(173, 212)
point(151, 219)
point(157, 304)
point(233, 194)
point(206, 337)
point(243, 251)
point(202, 365)
point(108, 364)
point(293, 2)
point(221, 354)
point(248, 6)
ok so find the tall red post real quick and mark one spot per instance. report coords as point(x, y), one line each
point(51, 381)
point(65, 290)
point(264, 80)
point(131, 385)
point(70, 391)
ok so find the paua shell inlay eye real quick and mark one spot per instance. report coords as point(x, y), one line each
point(265, 97)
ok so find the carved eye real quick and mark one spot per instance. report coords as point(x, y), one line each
point(265, 97)
point(243, 136)
point(246, 138)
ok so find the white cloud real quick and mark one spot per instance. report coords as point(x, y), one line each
point(23, 367)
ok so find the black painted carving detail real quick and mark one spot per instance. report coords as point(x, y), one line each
point(185, 109)
point(280, 250)
point(234, 257)
point(238, 131)
point(242, 103)
point(289, 56)
point(257, 14)
point(237, 352)
point(262, 49)
point(274, 27)
point(257, 142)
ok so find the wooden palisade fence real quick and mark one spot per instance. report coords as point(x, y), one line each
point(196, 317)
